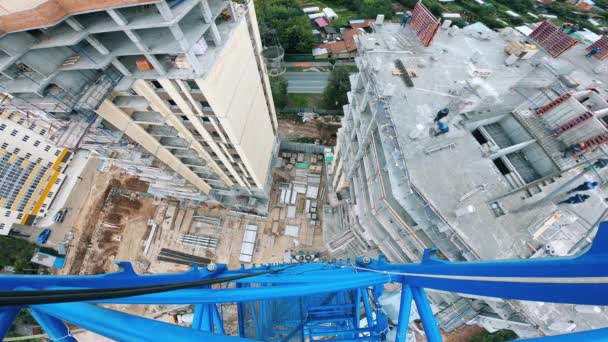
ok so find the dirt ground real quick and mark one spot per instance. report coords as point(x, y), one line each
point(289, 129)
point(100, 224)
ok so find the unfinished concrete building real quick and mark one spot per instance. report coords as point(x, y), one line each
point(174, 87)
point(523, 128)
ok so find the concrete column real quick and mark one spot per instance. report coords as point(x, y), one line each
point(157, 66)
point(97, 45)
point(74, 24)
point(179, 36)
point(118, 18)
point(196, 65)
point(206, 10)
point(601, 113)
point(123, 70)
point(510, 149)
point(232, 10)
point(215, 34)
point(137, 40)
point(164, 10)
point(123, 122)
point(172, 89)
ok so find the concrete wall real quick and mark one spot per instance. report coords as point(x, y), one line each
point(234, 91)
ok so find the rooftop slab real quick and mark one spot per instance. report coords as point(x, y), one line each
point(445, 77)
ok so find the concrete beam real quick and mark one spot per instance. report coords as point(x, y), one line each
point(186, 108)
point(510, 149)
point(157, 65)
point(232, 11)
point(123, 70)
point(206, 10)
point(179, 36)
point(159, 105)
point(196, 64)
point(473, 125)
point(74, 24)
point(215, 34)
point(164, 10)
point(137, 41)
point(118, 18)
point(97, 45)
point(118, 118)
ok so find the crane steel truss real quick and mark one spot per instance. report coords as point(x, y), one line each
point(297, 302)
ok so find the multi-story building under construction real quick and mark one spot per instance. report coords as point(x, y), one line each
point(32, 171)
point(515, 169)
point(173, 87)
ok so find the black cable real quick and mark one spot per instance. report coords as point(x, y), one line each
point(33, 297)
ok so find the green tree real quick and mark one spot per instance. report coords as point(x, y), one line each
point(338, 85)
point(16, 253)
point(279, 91)
point(434, 7)
point(371, 8)
point(285, 20)
point(497, 336)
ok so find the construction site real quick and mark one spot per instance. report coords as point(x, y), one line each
point(100, 77)
point(494, 151)
point(141, 136)
point(125, 223)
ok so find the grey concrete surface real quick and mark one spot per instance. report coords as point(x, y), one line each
point(306, 82)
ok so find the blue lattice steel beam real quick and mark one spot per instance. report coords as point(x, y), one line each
point(7, 316)
point(53, 327)
point(405, 308)
point(121, 326)
point(426, 315)
point(572, 280)
point(320, 299)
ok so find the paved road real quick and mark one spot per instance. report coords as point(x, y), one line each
point(306, 82)
point(72, 195)
point(316, 64)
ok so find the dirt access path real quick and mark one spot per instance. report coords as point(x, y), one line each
point(290, 130)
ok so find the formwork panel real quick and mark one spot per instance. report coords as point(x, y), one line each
point(552, 39)
point(602, 43)
point(424, 24)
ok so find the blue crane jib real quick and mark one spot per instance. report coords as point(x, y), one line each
point(301, 301)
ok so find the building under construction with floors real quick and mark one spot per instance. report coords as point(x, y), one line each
point(174, 91)
point(485, 145)
point(32, 171)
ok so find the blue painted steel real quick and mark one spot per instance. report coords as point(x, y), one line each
point(7, 316)
point(368, 308)
point(598, 335)
point(53, 327)
point(197, 317)
point(123, 278)
point(217, 321)
point(240, 311)
point(249, 294)
point(426, 315)
point(206, 319)
point(574, 280)
point(358, 308)
point(319, 300)
point(405, 308)
point(124, 327)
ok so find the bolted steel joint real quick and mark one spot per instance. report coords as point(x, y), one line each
point(367, 260)
point(211, 267)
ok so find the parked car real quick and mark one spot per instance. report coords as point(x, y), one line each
point(44, 236)
point(60, 216)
